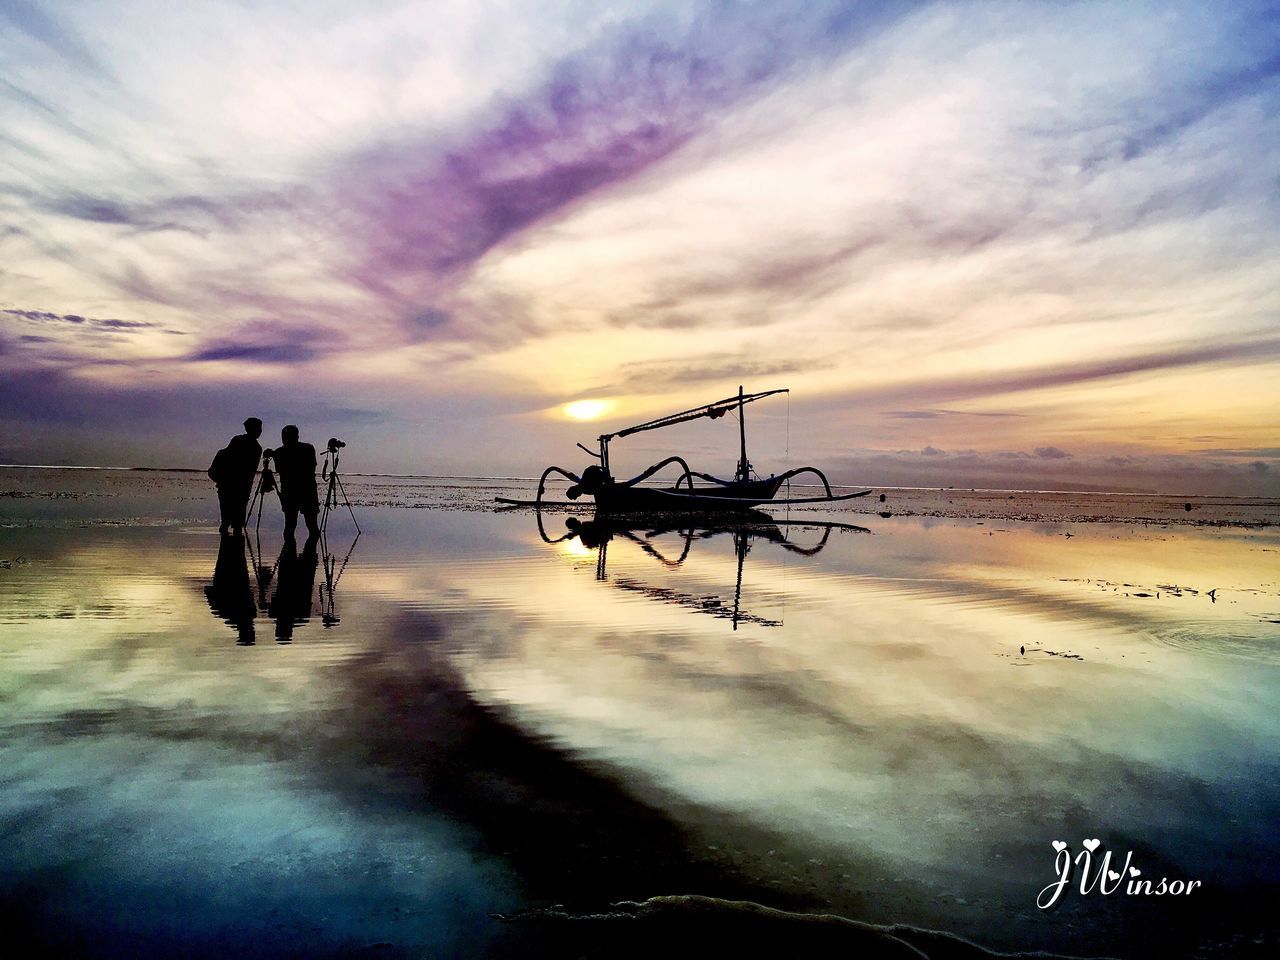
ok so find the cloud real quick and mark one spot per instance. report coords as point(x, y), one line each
point(254, 352)
point(46, 317)
point(972, 386)
point(427, 210)
point(190, 214)
point(1273, 452)
point(938, 414)
point(1052, 453)
point(659, 376)
point(269, 343)
point(35, 23)
point(1012, 469)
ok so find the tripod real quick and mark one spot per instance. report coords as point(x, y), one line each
point(266, 483)
point(334, 489)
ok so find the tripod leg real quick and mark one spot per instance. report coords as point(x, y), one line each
point(330, 501)
point(347, 501)
point(256, 498)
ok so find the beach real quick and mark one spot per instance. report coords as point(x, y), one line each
point(475, 730)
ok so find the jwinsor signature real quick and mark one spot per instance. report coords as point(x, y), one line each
point(1097, 874)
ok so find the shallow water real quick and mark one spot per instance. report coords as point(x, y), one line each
point(890, 724)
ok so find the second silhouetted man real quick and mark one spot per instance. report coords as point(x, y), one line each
point(296, 466)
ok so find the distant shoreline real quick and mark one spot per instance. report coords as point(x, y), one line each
point(1115, 492)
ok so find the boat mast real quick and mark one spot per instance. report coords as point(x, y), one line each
point(744, 467)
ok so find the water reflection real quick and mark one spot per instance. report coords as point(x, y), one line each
point(231, 594)
point(886, 753)
point(333, 571)
point(642, 530)
point(295, 584)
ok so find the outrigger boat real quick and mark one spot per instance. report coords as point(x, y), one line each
point(744, 491)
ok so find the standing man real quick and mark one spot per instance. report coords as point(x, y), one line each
point(233, 470)
point(296, 465)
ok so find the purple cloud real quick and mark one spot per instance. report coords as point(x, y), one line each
point(76, 320)
point(283, 352)
point(427, 212)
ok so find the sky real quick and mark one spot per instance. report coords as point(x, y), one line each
point(998, 244)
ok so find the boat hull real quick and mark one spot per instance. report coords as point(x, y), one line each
point(615, 498)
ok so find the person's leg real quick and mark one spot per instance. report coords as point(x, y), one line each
point(310, 512)
point(226, 510)
point(290, 519)
point(239, 508)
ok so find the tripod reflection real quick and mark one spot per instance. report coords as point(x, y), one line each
point(332, 574)
point(287, 592)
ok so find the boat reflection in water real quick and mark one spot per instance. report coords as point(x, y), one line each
point(233, 599)
point(644, 530)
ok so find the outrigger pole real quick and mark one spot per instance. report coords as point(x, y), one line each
point(712, 410)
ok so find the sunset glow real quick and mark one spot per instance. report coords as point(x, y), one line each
point(587, 409)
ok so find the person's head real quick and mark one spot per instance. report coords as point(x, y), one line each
point(289, 434)
point(253, 427)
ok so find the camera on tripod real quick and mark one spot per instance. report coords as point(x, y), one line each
point(335, 489)
point(268, 478)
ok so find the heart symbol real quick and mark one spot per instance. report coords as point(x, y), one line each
point(1059, 845)
point(1112, 876)
point(1135, 872)
point(1091, 845)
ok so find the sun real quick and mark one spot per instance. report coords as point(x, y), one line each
point(576, 548)
point(587, 409)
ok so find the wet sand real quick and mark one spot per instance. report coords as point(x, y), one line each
point(889, 732)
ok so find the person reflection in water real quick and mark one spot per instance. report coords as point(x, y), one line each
point(295, 584)
point(233, 470)
point(230, 595)
point(296, 466)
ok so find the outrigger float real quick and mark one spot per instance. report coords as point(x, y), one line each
point(744, 491)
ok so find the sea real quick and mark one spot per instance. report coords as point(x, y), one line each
point(457, 727)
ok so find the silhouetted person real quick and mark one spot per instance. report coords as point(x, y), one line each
point(295, 585)
point(296, 466)
point(230, 595)
point(233, 470)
